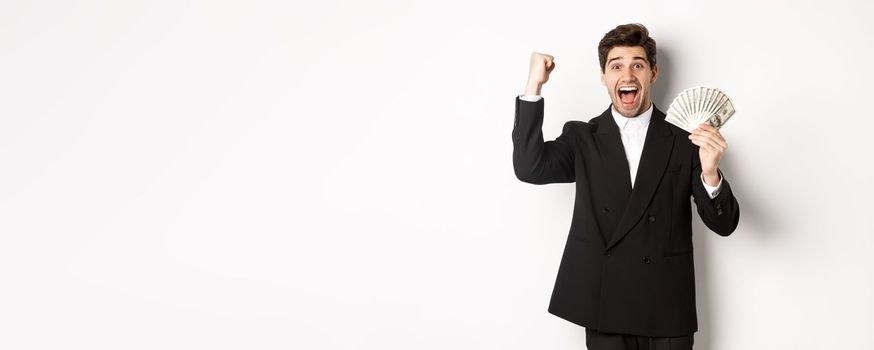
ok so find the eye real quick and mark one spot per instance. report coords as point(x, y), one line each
point(638, 66)
point(615, 67)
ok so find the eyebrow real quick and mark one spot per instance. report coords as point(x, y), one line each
point(633, 58)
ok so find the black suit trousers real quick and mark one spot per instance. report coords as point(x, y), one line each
point(609, 341)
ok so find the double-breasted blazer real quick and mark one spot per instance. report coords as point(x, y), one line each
point(627, 265)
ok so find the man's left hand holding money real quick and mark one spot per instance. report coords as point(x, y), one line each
point(711, 148)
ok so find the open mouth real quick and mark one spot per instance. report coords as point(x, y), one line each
point(628, 94)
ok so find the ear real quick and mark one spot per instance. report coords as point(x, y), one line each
point(603, 79)
point(655, 73)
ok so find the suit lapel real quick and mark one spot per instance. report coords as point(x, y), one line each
point(615, 165)
point(657, 149)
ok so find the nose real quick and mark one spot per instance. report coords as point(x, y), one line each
point(626, 75)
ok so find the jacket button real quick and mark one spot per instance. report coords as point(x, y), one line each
point(718, 211)
point(652, 219)
point(646, 260)
point(605, 210)
point(607, 253)
point(718, 206)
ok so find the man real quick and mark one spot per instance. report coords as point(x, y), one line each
point(626, 273)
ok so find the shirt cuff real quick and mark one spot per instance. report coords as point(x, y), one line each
point(530, 98)
point(711, 190)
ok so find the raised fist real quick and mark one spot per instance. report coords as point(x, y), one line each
point(538, 72)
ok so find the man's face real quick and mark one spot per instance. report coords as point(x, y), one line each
point(628, 78)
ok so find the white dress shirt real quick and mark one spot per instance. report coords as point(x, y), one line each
point(633, 133)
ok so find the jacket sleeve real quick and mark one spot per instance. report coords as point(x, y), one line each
point(536, 161)
point(722, 213)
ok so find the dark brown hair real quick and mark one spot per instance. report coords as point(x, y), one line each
point(633, 34)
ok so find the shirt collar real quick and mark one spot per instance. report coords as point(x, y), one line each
point(641, 120)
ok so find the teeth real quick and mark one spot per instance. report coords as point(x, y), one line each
point(628, 88)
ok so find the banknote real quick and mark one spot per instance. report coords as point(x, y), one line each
point(699, 105)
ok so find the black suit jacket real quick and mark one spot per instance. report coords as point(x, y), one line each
point(627, 266)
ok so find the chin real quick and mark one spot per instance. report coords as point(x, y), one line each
point(629, 113)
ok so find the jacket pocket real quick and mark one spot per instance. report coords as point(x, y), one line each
point(671, 253)
point(679, 243)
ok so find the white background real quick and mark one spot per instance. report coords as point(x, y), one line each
point(338, 175)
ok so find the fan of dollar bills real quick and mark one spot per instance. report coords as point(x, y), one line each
point(700, 105)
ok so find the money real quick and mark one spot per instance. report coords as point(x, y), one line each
point(700, 105)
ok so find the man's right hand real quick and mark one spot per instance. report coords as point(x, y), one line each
point(538, 72)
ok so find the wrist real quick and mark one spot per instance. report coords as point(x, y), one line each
point(710, 177)
point(533, 88)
